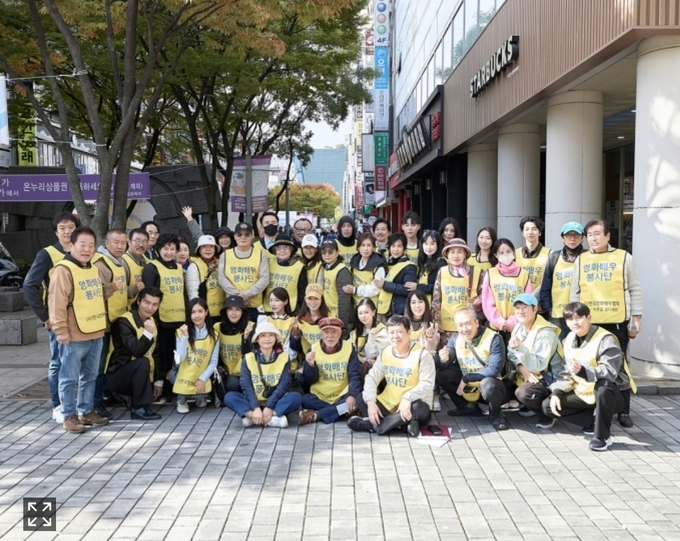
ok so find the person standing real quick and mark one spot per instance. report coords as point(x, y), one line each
point(311, 258)
point(152, 230)
point(605, 279)
point(366, 265)
point(381, 232)
point(336, 277)
point(134, 262)
point(533, 256)
point(301, 228)
point(201, 278)
point(36, 285)
point(77, 315)
point(286, 271)
point(410, 226)
point(346, 239)
point(400, 271)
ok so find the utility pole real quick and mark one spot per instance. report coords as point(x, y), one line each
point(249, 185)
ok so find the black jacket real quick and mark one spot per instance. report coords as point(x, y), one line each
point(126, 346)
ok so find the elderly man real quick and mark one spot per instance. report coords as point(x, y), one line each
point(130, 367)
point(592, 381)
point(152, 230)
point(535, 350)
point(78, 319)
point(134, 262)
point(301, 227)
point(408, 371)
point(333, 372)
point(469, 369)
point(381, 232)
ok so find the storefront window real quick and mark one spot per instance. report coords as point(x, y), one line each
point(439, 65)
point(471, 22)
point(430, 79)
point(487, 9)
point(447, 54)
point(458, 35)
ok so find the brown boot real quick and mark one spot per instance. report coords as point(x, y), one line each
point(307, 417)
point(93, 419)
point(73, 425)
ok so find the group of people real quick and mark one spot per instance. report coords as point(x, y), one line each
point(376, 328)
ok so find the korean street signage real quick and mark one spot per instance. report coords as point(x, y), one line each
point(501, 59)
point(381, 24)
point(436, 126)
point(35, 188)
point(382, 159)
point(381, 60)
point(382, 110)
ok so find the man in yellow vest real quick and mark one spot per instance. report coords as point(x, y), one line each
point(469, 369)
point(410, 226)
point(556, 285)
point(592, 380)
point(134, 354)
point(77, 314)
point(408, 371)
point(536, 352)
point(134, 262)
point(35, 289)
point(533, 256)
point(333, 373)
point(244, 270)
point(605, 279)
point(336, 277)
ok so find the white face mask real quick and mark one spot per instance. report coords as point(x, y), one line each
point(506, 259)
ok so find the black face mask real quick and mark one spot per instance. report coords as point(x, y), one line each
point(270, 230)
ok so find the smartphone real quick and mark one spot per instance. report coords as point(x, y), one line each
point(435, 430)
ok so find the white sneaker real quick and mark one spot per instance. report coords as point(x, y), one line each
point(57, 415)
point(436, 405)
point(278, 422)
point(182, 408)
point(246, 422)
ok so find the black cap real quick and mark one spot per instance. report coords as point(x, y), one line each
point(243, 226)
point(282, 240)
point(330, 243)
point(235, 301)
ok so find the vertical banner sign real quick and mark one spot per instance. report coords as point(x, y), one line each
point(382, 79)
point(4, 122)
point(382, 24)
point(26, 148)
point(382, 157)
point(381, 91)
point(237, 190)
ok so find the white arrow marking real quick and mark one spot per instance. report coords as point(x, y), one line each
point(31, 521)
point(31, 506)
point(47, 521)
point(47, 506)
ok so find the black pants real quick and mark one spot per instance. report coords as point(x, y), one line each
point(532, 396)
point(495, 392)
point(167, 343)
point(132, 379)
point(620, 330)
point(608, 401)
point(420, 411)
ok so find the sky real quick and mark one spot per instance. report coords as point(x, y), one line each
point(324, 136)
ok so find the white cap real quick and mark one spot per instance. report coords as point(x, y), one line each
point(310, 240)
point(206, 240)
point(266, 327)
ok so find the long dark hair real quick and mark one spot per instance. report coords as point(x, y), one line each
point(497, 246)
point(427, 316)
point(208, 320)
point(449, 221)
point(229, 328)
point(494, 237)
point(283, 296)
point(309, 263)
point(359, 325)
point(428, 264)
point(304, 309)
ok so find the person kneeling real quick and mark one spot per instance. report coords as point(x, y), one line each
point(134, 355)
point(408, 371)
point(593, 378)
point(265, 378)
point(333, 372)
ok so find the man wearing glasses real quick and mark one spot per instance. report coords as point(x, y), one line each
point(134, 262)
point(301, 228)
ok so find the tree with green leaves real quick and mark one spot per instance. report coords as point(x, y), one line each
point(321, 199)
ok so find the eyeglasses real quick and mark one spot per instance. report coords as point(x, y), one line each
point(139, 241)
point(327, 251)
point(572, 235)
point(302, 230)
point(242, 234)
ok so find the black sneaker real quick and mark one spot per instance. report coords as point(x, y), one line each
point(589, 430)
point(597, 444)
point(144, 414)
point(360, 424)
point(625, 421)
point(102, 411)
point(499, 423)
point(413, 428)
point(525, 412)
point(467, 411)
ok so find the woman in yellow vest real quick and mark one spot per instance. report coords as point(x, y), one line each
point(430, 260)
point(197, 350)
point(393, 292)
point(448, 230)
point(164, 273)
point(311, 257)
point(347, 239)
point(265, 399)
point(366, 266)
point(234, 332)
point(286, 271)
point(369, 337)
point(281, 317)
point(202, 278)
point(501, 285)
point(184, 253)
point(336, 277)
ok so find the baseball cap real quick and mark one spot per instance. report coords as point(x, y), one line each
point(243, 227)
point(525, 298)
point(331, 243)
point(235, 301)
point(310, 240)
point(314, 290)
point(572, 226)
point(206, 240)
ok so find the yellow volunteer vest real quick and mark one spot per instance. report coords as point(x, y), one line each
point(385, 297)
point(271, 373)
point(347, 252)
point(285, 277)
point(311, 334)
point(55, 256)
point(244, 272)
point(479, 267)
point(173, 307)
point(135, 274)
point(601, 280)
point(193, 365)
point(330, 289)
point(230, 351)
point(116, 304)
point(333, 382)
point(535, 266)
point(505, 289)
point(414, 336)
point(401, 375)
point(457, 293)
point(362, 278)
point(561, 286)
point(140, 332)
point(265, 252)
point(530, 339)
point(89, 309)
point(467, 360)
point(412, 254)
point(423, 280)
point(313, 274)
point(359, 342)
point(213, 291)
point(586, 356)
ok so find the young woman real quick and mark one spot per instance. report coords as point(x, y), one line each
point(449, 230)
point(311, 257)
point(184, 253)
point(164, 273)
point(502, 283)
point(286, 271)
point(197, 351)
point(265, 399)
point(456, 287)
point(225, 238)
point(234, 331)
point(305, 330)
point(280, 314)
point(424, 330)
point(366, 266)
point(393, 292)
point(201, 277)
point(347, 239)
point(369, 337)
point(429, 262)
point(336, 277)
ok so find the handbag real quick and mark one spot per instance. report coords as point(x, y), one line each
point(268, 391)
point(219, 382)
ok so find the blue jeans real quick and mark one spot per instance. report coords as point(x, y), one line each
point(53, 369)
point(79, 365)
point(99, 382)
point(288, 403)
point(328, 413)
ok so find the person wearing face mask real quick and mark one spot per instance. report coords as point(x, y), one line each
point(286, 271)
point(501, 285)
point(270, 227)
point(366, 266)
point(347, 240)
point(533, 256)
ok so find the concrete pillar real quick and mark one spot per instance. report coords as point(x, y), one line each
point(519, 177)
point(482, 189)
point(656, 215)
point(573, 161)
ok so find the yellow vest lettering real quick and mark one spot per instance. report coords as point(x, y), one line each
point(117, 303)
point(311, 334)
point(271, 372)
point(347, 252)
point(135, 274)
point(586, 356)
point(286, 277)
point(456, 294)
point(244, 272)
point(173, 307)
point(333, 382)
point(505, 289)
point(193, 365)
point(535, 266)
point(601, 280)
point(466, 359)
point(561, 286)
point(214, 293)
point(88, 305)
point(401, 375)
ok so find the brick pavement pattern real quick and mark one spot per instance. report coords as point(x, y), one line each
point(202, 476)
